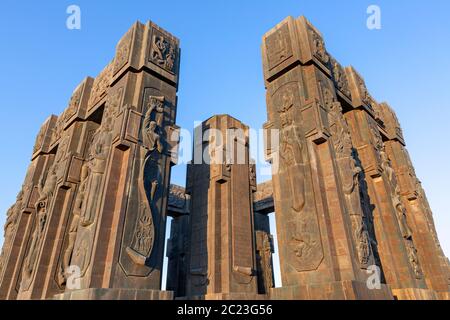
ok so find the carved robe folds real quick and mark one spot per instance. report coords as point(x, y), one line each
point(292, 179)
point(350, 177)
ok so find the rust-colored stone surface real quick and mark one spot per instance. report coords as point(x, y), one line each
point(94, 203)
point(353, 221)
point(221, 251)
point(344, 191)
point(324, 230)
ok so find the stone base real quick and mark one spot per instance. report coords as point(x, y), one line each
point(443, 296)
point(228, 296)
point(415, 294)
point(345, 290)
point(115, 294)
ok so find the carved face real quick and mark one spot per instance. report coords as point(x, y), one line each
point(288, 100)
point(152, 126)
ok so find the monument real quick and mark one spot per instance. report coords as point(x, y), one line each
point(353, 221)
point(221, 254)
point(93, 205)
point(342, 210)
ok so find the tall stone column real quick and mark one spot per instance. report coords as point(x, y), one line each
point(222, 263)
point(398, 253)
point(57, 186)
point(264, 247)
point(413, 198)
point(21, 216)
point(178, 243)
point(119, 247)
point(325, 243)
point(93, 210)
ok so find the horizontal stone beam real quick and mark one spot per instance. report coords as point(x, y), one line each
point(263, 198)
point(179, 200)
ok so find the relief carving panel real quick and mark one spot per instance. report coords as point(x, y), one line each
point(279, 46)
point(350, 176)
point(303, 234)
point(146, 197)
point(163, 51)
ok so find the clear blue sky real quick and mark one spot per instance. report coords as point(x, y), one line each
point(405, 63)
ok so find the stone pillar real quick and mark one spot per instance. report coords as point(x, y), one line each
point(262, 206)
point(119, 247)
point(54, 194)
point(177, 244)
point(21, 216)
point(100, 175)
point(398, 254)
point(413, 198)
point(325, 243)
point(222, 263)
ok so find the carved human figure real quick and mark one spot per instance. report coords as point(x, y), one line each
point(144, 231)
point(10, 227)
point(267, 261)
point(170, 58)
point(395, 196)
point(363, 243)
point(401, 214)
point(163, 53)
point(387, 168)
point(252, 174)
point(152, 139)
point(303, 245)
point(12, 216)
point(350, 174)
point(159, 47)
point(290, 152)
point(284, 110)
point(404, 228)
point(45, 190)
point(413, 258)
point(292, 161)
point(153, 122)
point(97, 166)
point(73, 228)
